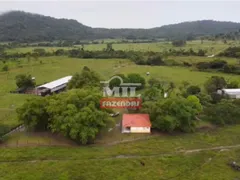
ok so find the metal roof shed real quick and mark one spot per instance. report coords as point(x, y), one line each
point(57, 84)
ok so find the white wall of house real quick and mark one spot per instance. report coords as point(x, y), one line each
point(136, 130)
point(140, 129)
point(126, 130)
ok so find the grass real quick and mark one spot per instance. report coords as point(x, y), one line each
point(210, 46)
point(197, 166)
point(102, 163)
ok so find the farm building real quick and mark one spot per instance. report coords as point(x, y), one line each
point(136, 123)
point(53, 87)
point(231, 93)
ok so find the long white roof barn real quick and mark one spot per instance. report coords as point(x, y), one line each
point(57, 84)
point(232, 93)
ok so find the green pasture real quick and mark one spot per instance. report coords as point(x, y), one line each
point(212, 47)
point(209, 46)
point(30, 49)
point(163, 156)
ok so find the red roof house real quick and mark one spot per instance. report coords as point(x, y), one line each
point(136, 123)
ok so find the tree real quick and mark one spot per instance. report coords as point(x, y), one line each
point(193, 90)
point(116, 81)
point(153, 82)
point(85, 68)
point(5, 68)
point(59, 52)
point(39, 51)
point(225, 112)
point(136, 78)
point(233, 84)
point(23, 80)
point(77, 115)
point(84, 79)
point(214, 83)
point(178, 43)
point(155, 60)
point(33, 114)
point(196, 103)
point(173, 113)
point(152, 94)
point(109, 47)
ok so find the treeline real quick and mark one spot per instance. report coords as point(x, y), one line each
point(231, 52)
point(219, 65)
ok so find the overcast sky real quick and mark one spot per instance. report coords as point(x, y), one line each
point(126, 14)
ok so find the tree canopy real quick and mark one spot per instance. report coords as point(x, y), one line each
point(24, 80)
point(75, 114)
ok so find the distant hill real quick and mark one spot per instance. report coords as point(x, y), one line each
point(27, 27)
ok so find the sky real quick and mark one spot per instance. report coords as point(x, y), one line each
point(129, 14)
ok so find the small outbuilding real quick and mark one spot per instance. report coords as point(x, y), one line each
point(231, 93)
point(136, 123)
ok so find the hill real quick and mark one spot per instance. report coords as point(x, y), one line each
point(27, 27)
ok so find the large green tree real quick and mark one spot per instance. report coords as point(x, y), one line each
point(136, 78)
point(24, 80)
point(173, 113)
point(33, 113)
point(76, 114)
point(86, 78)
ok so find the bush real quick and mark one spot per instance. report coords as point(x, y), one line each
point(24, 81)
point(193, 90)
point(178, 43)
point(225, 112)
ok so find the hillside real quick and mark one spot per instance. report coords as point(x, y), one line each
point(22, 26)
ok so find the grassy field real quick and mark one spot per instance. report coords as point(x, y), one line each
point(164, 157)
point(210, 46)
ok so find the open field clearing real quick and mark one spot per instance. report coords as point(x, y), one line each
point(163, 157)
point(199, 166)
point(53, 68)
point(210, 46)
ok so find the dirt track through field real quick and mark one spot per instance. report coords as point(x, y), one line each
point(182, 152)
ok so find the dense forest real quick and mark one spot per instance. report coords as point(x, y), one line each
point(26, 27)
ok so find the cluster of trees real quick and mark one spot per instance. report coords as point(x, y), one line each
point(85, 79)
point(173, 113)
point(76, 114)
point(219, 65)
point(130, 78)
point(231, 52)
point(183, 52)
point(179, 43)
point(181, 112)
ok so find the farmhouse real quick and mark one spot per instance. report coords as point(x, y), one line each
point(53, 87)
point(231, 93)
point(136, 123)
